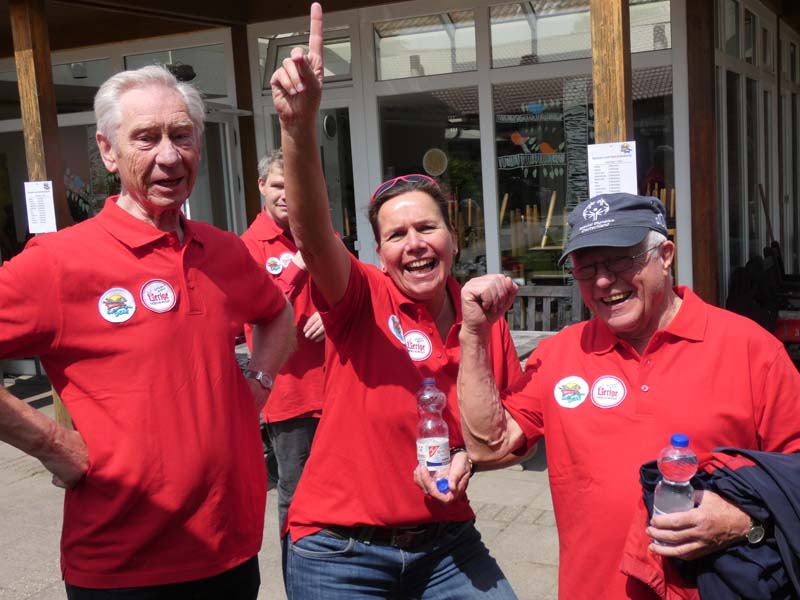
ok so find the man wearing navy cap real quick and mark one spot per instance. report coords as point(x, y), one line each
point(607, 394)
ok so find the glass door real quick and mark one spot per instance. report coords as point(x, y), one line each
point(217, 197)
point(333, 134)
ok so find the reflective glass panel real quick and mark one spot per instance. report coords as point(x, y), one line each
point(542, 130)
point(427, 45)
point(75, 86)
point(749, 37)
point(546, 30)
point(735, 159)
point(337, 54)
point(437, 133)
point(766, 48)
point(754, 208)
point(202, 66)
point(731, 26)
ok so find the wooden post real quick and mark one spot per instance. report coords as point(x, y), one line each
point(37, 99)
point(611, 71)
point(39, 117)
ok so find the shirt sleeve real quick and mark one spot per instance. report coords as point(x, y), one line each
point(777, 404)
point(30, 303)
point(523, 400)
point(263, 297)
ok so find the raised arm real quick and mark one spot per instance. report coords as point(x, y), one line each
point(490, 432)
point(296, 93)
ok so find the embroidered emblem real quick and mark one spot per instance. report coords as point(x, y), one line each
point(419, 345)
point(571, 391)
point(158, 295)
point(396, 328)
point(116, 305)
point(274, 265)
point(595, 210)
point(608, 391)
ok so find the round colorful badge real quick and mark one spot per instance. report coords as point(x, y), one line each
point(608, 391)
point(418, 344)
point(571, 391)
point(116, 305)
point(158, 295)
point(274, 265)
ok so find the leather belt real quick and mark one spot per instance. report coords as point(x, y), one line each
point(404, 538)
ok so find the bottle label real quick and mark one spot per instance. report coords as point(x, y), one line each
point(433, 453)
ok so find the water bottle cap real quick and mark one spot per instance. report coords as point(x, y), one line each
point(679, 440)
point(429, 381)
point(443, 485)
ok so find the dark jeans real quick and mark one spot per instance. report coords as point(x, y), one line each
point(239, 583)
point(291, 442)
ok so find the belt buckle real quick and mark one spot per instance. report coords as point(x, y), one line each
point(403, 538)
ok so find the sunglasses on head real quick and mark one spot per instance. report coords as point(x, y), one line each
point(390, 183)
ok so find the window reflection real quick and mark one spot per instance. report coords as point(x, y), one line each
point(438, 133)
point(427, 45)
point(542, 130)
point(202, 65)
point(547, 30)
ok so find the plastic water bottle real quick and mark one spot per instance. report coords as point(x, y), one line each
point(678, 464)
point(433, 437)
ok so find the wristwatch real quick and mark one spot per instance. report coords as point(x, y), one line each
point(756, 533)
point(263, 378)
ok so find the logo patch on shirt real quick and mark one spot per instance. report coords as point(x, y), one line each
point(274, 265)
point(116, 305)
point(286, 259)
point(396, 328)
point(158, 295)
point(571, 391)
point(608, 391)
point(418, 344)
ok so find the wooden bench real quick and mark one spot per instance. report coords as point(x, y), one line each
point(545, 308)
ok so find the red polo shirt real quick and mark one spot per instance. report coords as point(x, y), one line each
point(298, 386)
point(136, 333)
point(604, 411)
point(380, 346)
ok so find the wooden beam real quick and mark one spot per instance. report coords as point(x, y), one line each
point(247, 129)
point(198, 12)
point(611, 71)
point(37, 99)
point(703, 148)
point(39, 120)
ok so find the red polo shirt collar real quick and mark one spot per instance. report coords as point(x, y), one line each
point(134, 232)
point(265, 229)
point(689, 324)
point(410, 306)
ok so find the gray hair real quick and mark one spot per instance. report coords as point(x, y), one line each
point(106, 101)
point(269, 161)
point(653, 238)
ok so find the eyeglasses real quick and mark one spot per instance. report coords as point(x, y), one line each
point(389, 184)
point(615, 265)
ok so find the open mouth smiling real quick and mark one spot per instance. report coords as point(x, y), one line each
point(422, 266)
point(616, 298)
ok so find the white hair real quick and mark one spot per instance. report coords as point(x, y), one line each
point(107, 100)
point(653, 238)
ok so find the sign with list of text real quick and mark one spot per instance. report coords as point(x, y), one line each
point(612, 168)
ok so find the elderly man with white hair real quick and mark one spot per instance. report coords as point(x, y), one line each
point(133, 314)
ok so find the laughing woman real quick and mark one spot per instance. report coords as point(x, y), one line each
point(359, 526)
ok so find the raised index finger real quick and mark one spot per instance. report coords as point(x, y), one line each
point(315, 36)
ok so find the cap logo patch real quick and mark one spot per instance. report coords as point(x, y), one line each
point(418, 345)
point(158, 295)
point(608, 391)
point(396, 328)
point(595, 209)
point(116, 305)
point(274, 265)
point(660, 220)
point(286, 259)
point(571, 391)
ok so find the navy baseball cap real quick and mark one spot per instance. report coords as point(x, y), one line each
point(615, 220)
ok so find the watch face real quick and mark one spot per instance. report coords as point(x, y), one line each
point(756, 534)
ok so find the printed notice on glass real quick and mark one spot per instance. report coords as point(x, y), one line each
point(41, 209)
point(612, 168)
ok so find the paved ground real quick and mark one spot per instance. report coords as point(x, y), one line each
point(515, 517)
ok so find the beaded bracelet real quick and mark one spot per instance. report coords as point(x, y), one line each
point(472, 466)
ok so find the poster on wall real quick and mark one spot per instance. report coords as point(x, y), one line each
point(40, 205)
point(612, 168)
